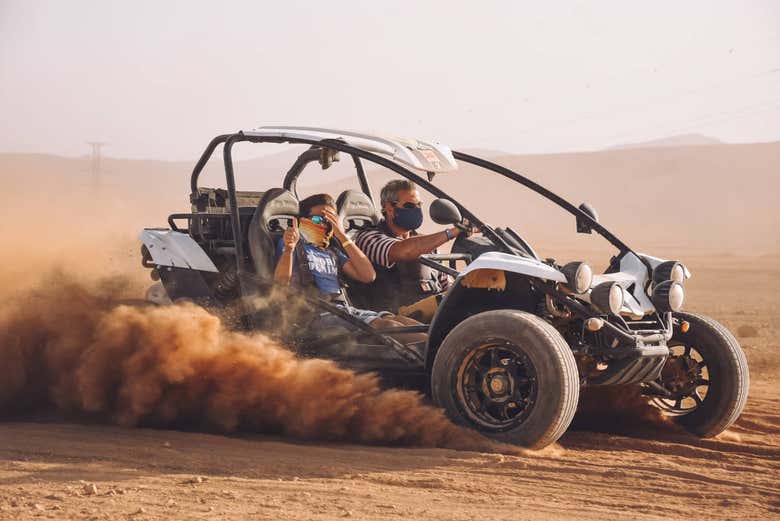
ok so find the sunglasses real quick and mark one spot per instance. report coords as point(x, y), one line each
point(317, 219)
point(408, 205)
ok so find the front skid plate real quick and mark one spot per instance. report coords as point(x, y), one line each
point(642, 364)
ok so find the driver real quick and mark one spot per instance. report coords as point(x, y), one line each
point(314, 263)
point(402, 283)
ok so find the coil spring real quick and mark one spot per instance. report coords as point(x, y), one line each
point(227, 285)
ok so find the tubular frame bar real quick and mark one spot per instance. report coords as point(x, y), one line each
point(290, 181)
point(309, 156)
point(361, 175)
point(362, 327)
point(438, 266)
point(381, 335)
point(231, 188)
point(547, 194)
point(204, 158)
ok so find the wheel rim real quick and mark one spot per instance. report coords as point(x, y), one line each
point(497, 385)
point(686, 377)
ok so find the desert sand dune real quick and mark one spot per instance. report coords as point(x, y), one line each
point(672, 141)
point(717, 198)
point(626, 468)
point(66, 465)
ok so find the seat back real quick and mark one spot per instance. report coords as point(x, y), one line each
point(275, 212)
point(356, 211)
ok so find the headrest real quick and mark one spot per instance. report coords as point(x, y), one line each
point(276, 210)
point(356, 210)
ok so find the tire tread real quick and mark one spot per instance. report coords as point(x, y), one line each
point(560, 349)
point(738, 361)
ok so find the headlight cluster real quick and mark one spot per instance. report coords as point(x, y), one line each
point(608, 297)
point(579, 276)
point(668, 293)
point(669, 270)
point(668, 296)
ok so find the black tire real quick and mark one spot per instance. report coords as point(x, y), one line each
point(728, 375)
point(552, 395)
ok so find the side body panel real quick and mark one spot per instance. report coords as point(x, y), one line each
point(514, 264)
point(461, 301)
point(184, 268)
point(176, 250)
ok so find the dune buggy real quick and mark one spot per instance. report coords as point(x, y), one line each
point(514, 338)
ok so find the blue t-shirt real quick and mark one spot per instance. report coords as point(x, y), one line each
point(324, 266)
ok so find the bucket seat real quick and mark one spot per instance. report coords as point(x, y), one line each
point(274, 213)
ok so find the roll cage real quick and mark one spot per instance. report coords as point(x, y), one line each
point(357, 154)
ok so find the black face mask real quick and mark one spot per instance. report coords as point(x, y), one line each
point(408, 218)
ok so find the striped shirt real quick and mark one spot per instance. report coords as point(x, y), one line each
point(376, 245)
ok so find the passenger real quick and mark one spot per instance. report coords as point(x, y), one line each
point(314, 263)
point(394, 247)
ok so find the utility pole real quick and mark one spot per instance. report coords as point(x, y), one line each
point(96, 158)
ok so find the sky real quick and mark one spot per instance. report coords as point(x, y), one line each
point(158, 79)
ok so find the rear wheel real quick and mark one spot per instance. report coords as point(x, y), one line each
point(508, 374)
point(706, 376)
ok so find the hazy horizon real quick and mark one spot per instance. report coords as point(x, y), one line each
point(158, 80)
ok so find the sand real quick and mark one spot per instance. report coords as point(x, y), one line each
point(53, 466)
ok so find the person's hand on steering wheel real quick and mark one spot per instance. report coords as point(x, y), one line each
point(466, 228)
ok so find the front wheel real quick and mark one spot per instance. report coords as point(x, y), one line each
point(706, 377)
point(509, 375)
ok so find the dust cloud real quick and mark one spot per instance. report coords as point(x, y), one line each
point(72, 345)
point(619, 410)
point(68, 343)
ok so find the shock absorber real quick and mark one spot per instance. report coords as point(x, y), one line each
point(226, 286)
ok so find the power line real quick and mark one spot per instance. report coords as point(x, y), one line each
point(96, 162)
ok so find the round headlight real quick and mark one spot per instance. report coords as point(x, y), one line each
point(669, 270)
point(668, 296)
point(608, 297)
point(579, 276)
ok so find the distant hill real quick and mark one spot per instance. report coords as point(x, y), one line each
point(718, 199)
point(683, 140)
point(483, 152)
